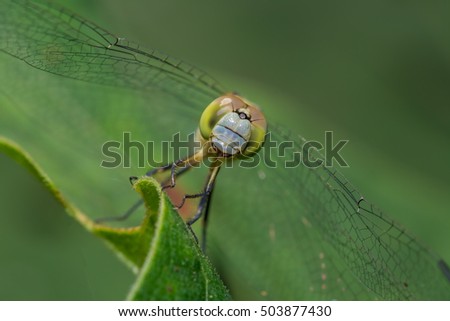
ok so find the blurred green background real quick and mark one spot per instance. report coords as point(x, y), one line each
point(376, 73)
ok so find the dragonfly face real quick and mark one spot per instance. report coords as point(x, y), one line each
point(233, 126)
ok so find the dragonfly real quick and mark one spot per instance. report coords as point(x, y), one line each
point(230, 127)
point(276, 232)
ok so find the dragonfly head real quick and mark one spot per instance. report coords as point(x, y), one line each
point(233, 126)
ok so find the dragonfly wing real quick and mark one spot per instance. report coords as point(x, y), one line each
point(56, 40)
point(305, 233)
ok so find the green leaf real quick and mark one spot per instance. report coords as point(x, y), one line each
point(174, 268)
point(11, 149)
point(161, 250)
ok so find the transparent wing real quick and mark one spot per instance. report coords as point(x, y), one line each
point(56, 40)
point(276, 232)
point(155, 88)
point(314, 236)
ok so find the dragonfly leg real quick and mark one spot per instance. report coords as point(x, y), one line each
point(133, 179)
point(193, 233)
point(185, 162)
point(205, 222)
point(122, 217)
point(204, 205)
point(161, 169)
point(188, 196)
point(172, 177)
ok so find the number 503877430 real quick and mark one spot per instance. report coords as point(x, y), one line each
point(295, 310)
